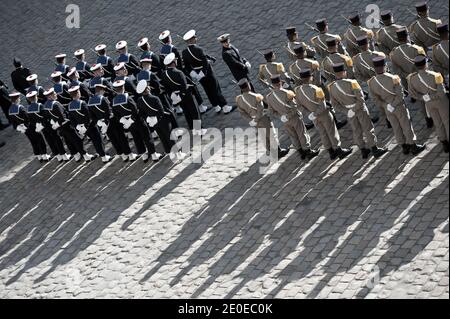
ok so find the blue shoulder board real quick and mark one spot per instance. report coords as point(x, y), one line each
point(143, 75)
point(94, 81)
point(74, 83)
point(61, 67)
point(103, 60)
point(95, 100)
point(118, 78)
point(166, 49)
point(75, 105)
point(123, 58)
point(33, 107)
point(14, 109)
point(80, 66)
point(120, 99)
point(59, 88)
point(49, 105)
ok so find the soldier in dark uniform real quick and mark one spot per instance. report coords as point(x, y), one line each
point(19, 77)
point(176, 85)
point(102, 115)
point(239, 66)
point(80, 117)
point(42, 125)
point(122, 74)
point(34, 86)
point(82, 66)
point(124, 108)
point(21, 123)
point(198, 65)
point(5, 103)
point(75, 81)
point(157, 64)
point(61, 65)
point(131, 63)
point(105, 61)
point(61, 88)
point(98, 78)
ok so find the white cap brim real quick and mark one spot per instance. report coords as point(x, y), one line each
point(14, 94)
point(141, 86)
point(71, 71)
point(59, 56)
point(164, 35)
point(31, 94)
point(121, 44)
point(49, 91)
point(169, 58)
point(118, 83)
point(73, 88)
point(142, 42)
point(95, 67)
point(119, 66)
point(31, 77)
point(56, 74)
point(78, 52)
point(189, 35)
point(100, 47)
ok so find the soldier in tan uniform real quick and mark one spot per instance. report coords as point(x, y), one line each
point(312, 98)
point(303, 62)
point(319, 41)
point(429, 87)
point(347, 97)
point(355, 31)
point(272, 68)
point(362, 62)
point(293, 41)
point(423, 30)
point(440, 52)
point(251, 107)
point(387, 92)
point(282, 104)
point(386, 37)
point(335, 57)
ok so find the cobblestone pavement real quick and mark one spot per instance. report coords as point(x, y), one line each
point(348, 229)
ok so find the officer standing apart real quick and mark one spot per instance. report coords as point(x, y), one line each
point(19, 77)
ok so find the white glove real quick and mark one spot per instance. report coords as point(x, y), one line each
point(127, 122)
point(312, 117)
point(390, 108)
point(81, 129)
point(248, 65)
point(284, 118)
point(55, 125)
point(152, 120)
point(200, 76)
point(350, 114)
point(39, 127)
point(285, 85)
point(427, 98)
point(253, 123)
point(194, 75)
point(21, 128)
point(175, 98)
point(102, 125)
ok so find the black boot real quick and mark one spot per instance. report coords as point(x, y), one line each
point(365, 152)
point(309, 126)
point(378, 152)
point(310, 154)
point(344, 152)
point(429, 122)
point(282, 152)
point(417, 148)
point(445, 146)
point(388, 124)
point(375, 119)
point(333, 153)
point(406, 148)
point(302, 153)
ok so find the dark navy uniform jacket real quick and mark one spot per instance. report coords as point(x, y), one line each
point(79, 113)
point(18, 115)
point(100, 108)
point(107, 64)
point(124, 105)
point(235, 62)
point(53, 110)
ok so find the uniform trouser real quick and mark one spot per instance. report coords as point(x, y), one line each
point(197, 95)
point(190, 110)
point(168, 108)
point(37, 142)
point(142, 138)
point(96, 139)
point(54, 141)
point(363, 130)
point(5, 109)
point(213, 90)
point(117, 137)
point(73, 141)
point(328, 131)
point(297, 132)
point(269, 133)
point(163, 130)
point(401, 124)
point(438, 110)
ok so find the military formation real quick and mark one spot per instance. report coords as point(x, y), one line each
point(331, 81)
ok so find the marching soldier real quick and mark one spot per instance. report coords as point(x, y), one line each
point(355, 31)
point(362, 62)
point(105, 61)
point(347, 97)
point(440, 51)
point(166, 39)
point(125, 109)
point(131, 63)
point(424, 29)
point(302, 63)
point(282, 104)
point(122, 74)
point(41, 125)
point(102, 115)
point(19, 77)
point(175, 83)
point(312, 98)
point(56, 114)
point(61, 65)
point(98, 78)
point(386, 36)
point(33, 85)
point(239, 66)
point(20, 121)
point(82, 66)
point(429, 86)
point(271, 69)
point(75, 81)
point(80, 118)
point(157, 65)
point(387, 92)
point(402, 58)
point(251, 107)
point(319, 41)
point(197, 64)
point(334, 57)
point(61, 88)
point(293, 41)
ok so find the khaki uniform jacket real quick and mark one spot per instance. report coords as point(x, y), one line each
point(327, 65)
point(250, 105)
point(424, 33)
point(386, 38)
point(300, 64)
point(386, 89)
point(266, 71)
point(350, 36)
point(428, 82)
point(320, 45)
point(363, 66)
point(346, 94)
point(282, 102)
point(310, 51)
point(311, 98)
point(402, 58)
point(440, 57)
